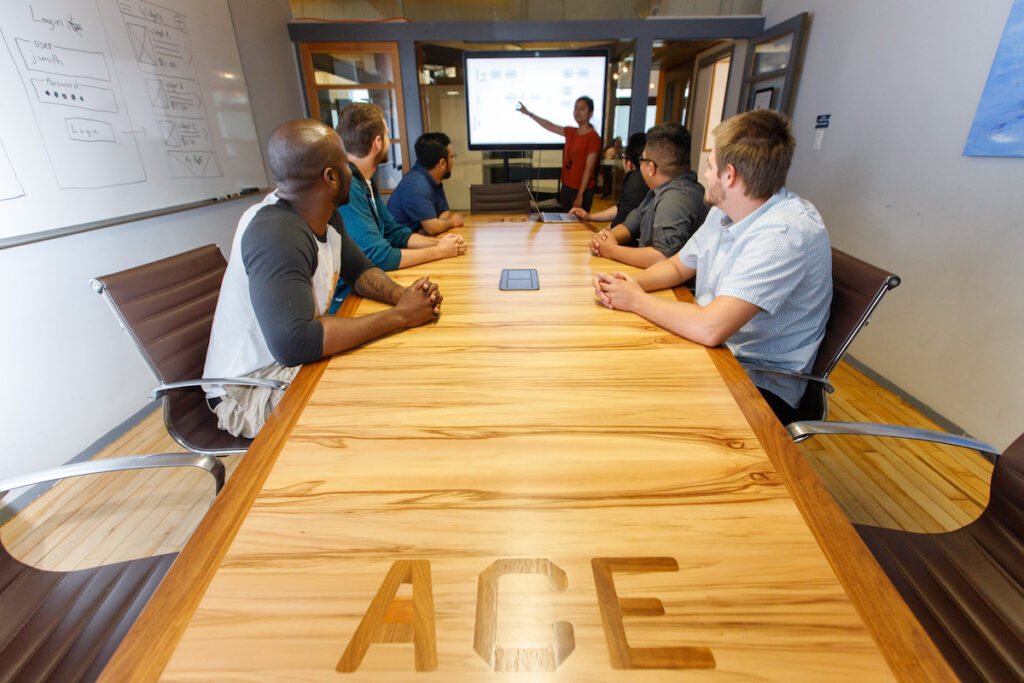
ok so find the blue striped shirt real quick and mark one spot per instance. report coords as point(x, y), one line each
point(778, 258)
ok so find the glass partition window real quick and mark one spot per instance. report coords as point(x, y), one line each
point(772, 56)
point(353, 69)
point(337, 74)
point(332, 101)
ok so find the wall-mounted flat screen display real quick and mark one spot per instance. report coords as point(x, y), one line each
point(548, 82)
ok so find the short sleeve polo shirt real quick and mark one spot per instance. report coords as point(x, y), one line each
point(417, 198)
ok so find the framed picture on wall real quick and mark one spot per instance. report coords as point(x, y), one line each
point(763, 98)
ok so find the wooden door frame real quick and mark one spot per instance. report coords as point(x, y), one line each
point(306, 51)
point(698, 63)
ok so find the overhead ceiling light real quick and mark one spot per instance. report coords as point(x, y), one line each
point(452, 92)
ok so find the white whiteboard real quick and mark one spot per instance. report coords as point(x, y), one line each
point(114, 108)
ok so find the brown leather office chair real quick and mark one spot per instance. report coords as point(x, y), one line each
point(966, 587)
point(65, 626)
point(499, 198)
point(857, 289)
point(167, 308)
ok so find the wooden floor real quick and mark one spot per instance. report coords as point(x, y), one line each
point(895, 483)
point(113, 517)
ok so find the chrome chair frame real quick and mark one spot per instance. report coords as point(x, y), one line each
point(805, 429)
point(207, 463)
point(65, 625)
point(821, 378)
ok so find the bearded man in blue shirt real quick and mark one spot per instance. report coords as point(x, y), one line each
point(419, 202)
point(762, 258)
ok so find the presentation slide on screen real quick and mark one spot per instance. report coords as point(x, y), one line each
point(548, 86)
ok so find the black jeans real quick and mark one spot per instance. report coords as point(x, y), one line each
point(782, 410)
point(567, 195)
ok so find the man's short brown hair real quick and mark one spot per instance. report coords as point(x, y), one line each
point(760, 146)
point(359, 123)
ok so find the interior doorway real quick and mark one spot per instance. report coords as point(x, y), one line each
point(711, 86)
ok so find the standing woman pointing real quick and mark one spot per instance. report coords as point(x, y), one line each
point(579, 157)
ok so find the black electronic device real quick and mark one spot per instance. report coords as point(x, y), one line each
point(547, 82)
point(519, 278)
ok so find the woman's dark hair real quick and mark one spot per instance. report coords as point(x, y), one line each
point(587, 101)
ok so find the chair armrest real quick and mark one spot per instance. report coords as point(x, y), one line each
point(129, 462)
point(801, 430)
point(789, 373)
point(238, 381)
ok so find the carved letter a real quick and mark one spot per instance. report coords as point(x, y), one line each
point(398, 621)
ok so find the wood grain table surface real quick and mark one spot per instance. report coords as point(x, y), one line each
point(533, 488)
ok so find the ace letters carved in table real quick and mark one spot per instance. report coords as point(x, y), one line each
point(534, 487)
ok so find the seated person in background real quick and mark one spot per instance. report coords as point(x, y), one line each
point(634, 188)
point(671, 211)
point(611, 152)
point(285, 259)
point(386, 243)
point(614, 150)
point(419, 202)
point(762, 259)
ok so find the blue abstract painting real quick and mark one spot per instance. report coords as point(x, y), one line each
point(998, 128)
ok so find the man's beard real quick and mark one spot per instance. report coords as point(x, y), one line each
point(341, 197)
point(447, 174)
point(710, 198)
point(382, 158)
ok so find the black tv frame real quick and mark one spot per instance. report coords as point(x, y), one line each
point(504, 54)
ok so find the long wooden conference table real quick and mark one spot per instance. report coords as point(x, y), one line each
point(534, 487)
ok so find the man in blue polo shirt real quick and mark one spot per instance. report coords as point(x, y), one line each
point(419, 202)
point(762, 259)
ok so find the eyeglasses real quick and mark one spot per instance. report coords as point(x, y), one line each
point(651, 161)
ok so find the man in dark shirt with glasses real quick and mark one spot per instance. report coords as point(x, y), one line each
point(672, 210)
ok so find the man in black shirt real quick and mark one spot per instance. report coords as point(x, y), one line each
point(285, 261)
point(634, 189)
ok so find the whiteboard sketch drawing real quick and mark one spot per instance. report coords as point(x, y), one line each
point(193, 164)
point(160, 43)
point(65, 68)
point(10, 187)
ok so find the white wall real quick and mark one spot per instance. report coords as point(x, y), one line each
point(902, 81)
point(71, 375)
